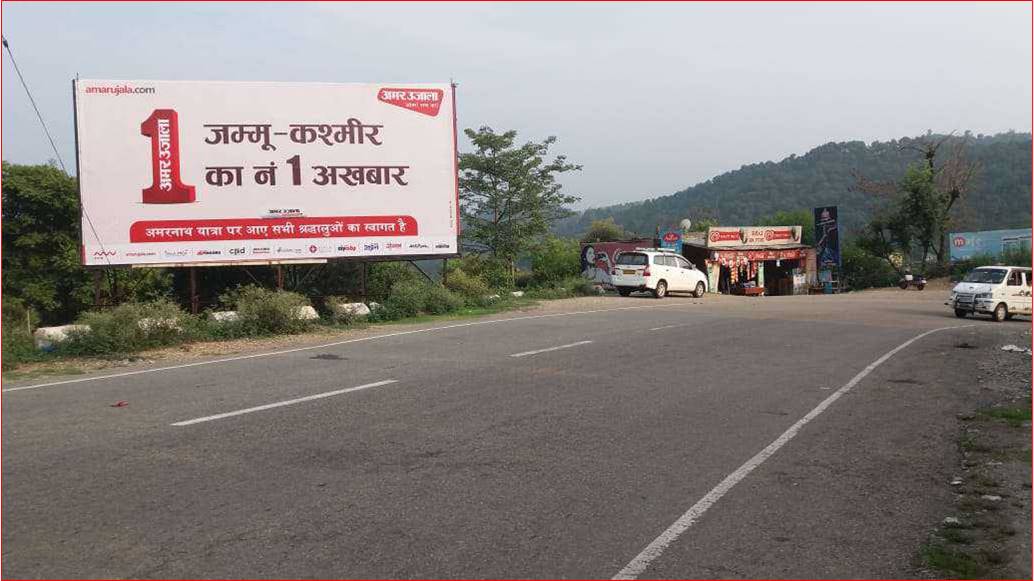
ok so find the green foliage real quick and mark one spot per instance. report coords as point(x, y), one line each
point(571, 286)
point(554, 259)
point(824, 176)
point(803, 218)
point(470, 287)
point(861, 270)
point(493, 271)
point(509, 194)
point(19, 321)
point(261, 311)
point(132, 327)
point(41, 261)
point(1011, 257)
point(604, 231)
point(440, 300)
point(383, 276)
point(412, 298)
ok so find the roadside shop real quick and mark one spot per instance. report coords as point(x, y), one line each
point(753, 260)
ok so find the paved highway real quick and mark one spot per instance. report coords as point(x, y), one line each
point(719, 437)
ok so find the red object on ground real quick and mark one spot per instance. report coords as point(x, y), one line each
point(120, 404)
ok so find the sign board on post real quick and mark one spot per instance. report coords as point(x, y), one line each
point(963, 245)
point(733, 236)
point(174, 172)
point(827, 237)
point(672, 239)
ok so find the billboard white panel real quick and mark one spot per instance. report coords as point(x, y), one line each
point(183, 172)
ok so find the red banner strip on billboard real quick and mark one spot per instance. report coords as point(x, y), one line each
point(272, 228)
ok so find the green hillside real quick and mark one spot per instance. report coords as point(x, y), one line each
point(1000, 198)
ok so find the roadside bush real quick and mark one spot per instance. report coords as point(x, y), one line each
point(555, 259)
point(262, 311)
point(861, 270)
point(495, 272)
point(132, 327)
point(18, 322)
point(383, 276)
point(340, 316)
point(407, 299)
point(1011, 257)
point(440, 300)
point(471, 288)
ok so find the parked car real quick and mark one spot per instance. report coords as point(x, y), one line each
point(656, 270)
point(999, 291)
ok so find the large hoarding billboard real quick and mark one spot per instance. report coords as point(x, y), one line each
point(827, 237)
point(598, 258)
point(965, 245)
point(179, 172)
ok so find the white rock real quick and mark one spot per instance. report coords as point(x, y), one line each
point(517, 293)
point(956, 482)
point(373, 306)
point(1017, 349)
point(491, 297)
point(306, 313)
point(223, 316)
point(991, 497)
point(46, 338)
point(355, 309)
point(950, 520)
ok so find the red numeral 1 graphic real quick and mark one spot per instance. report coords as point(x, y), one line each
point(166, 187)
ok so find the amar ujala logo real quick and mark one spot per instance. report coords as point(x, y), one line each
point(424, 101)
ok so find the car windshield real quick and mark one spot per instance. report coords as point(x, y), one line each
point(632, 259)
point(986, 275)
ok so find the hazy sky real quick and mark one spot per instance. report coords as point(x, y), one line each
point(650, 98)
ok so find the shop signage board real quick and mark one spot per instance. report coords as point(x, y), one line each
point(963, 245)
point(184, 173)
point(735, 236)
point(672, 239)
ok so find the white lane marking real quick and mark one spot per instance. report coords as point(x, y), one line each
point(638, 565)
point(283, 403)
point(670, 326)
point(325, 345)
point(557, 348)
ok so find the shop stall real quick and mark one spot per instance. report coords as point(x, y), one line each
point(759, 260)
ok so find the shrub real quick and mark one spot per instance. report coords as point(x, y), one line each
point(407, 299)
point(469, 287)
point(440, 300)
point(132, 327)
point(337, 315)
point(862, 270)
point(554, 259)
point(18, 322)
point(262, 311)
point(493, 271)
point(383, 277)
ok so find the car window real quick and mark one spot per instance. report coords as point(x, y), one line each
point(1026, 278)
point(1015, 279)
point(670, 261)
point(682, 262)
point(632, 259)
point(661, 260)
point(986, 275)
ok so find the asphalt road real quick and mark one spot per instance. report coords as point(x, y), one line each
point(553, 444)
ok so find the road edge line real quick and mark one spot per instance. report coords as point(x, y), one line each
point(638, 565)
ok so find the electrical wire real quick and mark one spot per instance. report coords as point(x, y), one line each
point(53, 146)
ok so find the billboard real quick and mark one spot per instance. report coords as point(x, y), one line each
point(827, 237)
point(672, 239)
point(963, 245)
point(735, 236)
point(179, 172)
point(599, 257)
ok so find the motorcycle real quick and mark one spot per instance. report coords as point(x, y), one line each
point(909, 280)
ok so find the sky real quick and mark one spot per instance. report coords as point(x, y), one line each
point(649, 98)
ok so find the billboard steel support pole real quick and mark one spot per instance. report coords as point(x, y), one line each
point(194, 300)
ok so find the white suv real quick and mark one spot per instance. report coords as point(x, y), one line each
point(658, 271)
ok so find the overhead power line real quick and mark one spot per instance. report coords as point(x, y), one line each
point(33, 101)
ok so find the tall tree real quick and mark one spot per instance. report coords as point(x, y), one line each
point(509, 194)
point(604, 231)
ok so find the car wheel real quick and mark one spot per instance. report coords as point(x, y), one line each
point(1000, 313)
point(624, 291)
point(961, 313)
point(699, 292)
point(660, 290)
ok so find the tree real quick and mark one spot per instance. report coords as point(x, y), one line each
point(509, 194)
point(913, 216)
point(41, 241)
point(604, 231)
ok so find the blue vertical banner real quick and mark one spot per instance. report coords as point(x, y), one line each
point(827, 237)
point(672, 239)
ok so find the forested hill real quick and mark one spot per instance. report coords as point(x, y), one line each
point(1000, 197)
